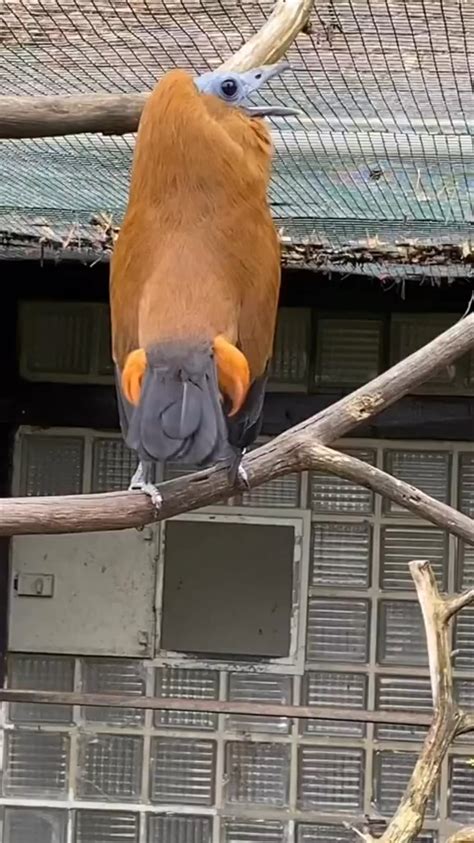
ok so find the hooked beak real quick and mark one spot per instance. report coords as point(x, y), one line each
point(254, 79)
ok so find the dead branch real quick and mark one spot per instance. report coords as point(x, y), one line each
point(449, 720)
point(295, 450)
point(117, 114)
point(464, 835)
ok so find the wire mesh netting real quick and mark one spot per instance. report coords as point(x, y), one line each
point(382, 147)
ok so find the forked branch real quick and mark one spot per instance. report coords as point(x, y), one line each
point(117, 114)
point(448, 721)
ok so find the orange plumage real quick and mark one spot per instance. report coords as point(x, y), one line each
point(196, 268)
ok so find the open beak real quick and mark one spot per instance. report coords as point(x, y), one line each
point(254, 79)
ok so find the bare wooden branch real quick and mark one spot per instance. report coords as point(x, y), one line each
point(464, 835)
point(408, 718)
point(117, 114)
point(294, 450)
point(448, 719)
point(453, 606)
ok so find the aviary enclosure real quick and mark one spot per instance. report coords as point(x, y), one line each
point(292, 663)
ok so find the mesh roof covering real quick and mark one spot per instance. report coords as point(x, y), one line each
point(383, 147)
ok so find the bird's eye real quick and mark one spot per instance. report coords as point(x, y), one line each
point(229, 88)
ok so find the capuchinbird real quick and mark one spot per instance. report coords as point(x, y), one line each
point(195, 274)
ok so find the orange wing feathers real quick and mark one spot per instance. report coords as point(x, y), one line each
point(197, 257)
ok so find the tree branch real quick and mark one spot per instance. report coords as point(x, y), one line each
point(294, 450)
point(449, 720)
point(464, 835)
point(117, 114)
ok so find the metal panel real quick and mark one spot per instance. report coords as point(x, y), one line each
point(210, 567)
point(461, 797)
point(92, 572)
point(409, 333)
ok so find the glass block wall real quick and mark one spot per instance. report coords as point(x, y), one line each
point(73, 775)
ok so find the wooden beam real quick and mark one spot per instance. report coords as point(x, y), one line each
point(407, 718)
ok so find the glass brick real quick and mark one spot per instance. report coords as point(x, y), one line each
point(306, 833)
point(344, 690)
point(257, 773)
point(461, 792)
point(113, 465)
point(179, 683)
point(182, 771)
point(403, 693)
point(348, 351)
point(401, 543)
point(106, 827)
point(254, 831)
point(465, 566)
point(51, 465)
point(40, 673)
point(259, 688)
point(34, 825)
point(282, 492)
point(427, 470)
point(411, 333)
point(125, 677)
point(330, 779)
point(341, 555)
point(392, 771)
point(56, 337)
point(466, 484)
point(334, 495)
point(110, 767)
point(401, 634)
point(289, 362)
point(36, 764)
point(464, 639)
point(337, 630)
point(173, 828)
point(105, 362)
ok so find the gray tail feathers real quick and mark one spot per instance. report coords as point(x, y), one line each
point(180, 415)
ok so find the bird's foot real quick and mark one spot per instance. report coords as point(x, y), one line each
point(139, 483)
point(242, 478)
point(237, 474)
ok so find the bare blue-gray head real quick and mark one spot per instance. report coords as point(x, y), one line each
point(235, 88)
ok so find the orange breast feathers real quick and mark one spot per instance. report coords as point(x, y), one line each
point(198, 256)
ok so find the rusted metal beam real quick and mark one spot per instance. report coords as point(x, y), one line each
point(299, 712)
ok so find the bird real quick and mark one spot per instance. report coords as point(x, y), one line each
point(195, 275)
